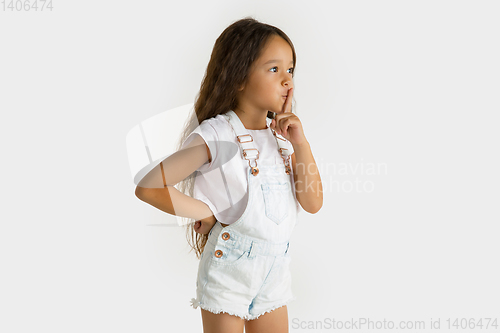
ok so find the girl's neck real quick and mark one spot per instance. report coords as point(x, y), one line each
point(252, 121)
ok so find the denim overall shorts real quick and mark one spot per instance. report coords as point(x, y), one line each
point(244, 268)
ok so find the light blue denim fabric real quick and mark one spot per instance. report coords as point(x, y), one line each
point(273, 196)
point(251, 275)
point(244, 268)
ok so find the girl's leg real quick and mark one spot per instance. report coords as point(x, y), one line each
point(221, 323)
point(275, 321)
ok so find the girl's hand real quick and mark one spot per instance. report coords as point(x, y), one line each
point(205, 225)
point(288, 124)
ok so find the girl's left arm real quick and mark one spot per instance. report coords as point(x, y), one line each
point(308, 187)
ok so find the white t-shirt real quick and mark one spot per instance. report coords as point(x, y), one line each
point(222, 183)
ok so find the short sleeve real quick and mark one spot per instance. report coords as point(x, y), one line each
point(211, 138)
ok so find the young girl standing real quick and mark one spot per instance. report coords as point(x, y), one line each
point(253, 167)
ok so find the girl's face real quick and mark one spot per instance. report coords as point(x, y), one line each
point(269, 79)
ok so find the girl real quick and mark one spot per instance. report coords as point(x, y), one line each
point(246, 193)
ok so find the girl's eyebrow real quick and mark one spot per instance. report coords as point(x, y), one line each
point(276, 60)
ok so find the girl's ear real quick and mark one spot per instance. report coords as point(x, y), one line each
point(242, 85)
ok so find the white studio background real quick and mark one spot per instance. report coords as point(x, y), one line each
point(398, 100)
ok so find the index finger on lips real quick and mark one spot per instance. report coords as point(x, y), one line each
point(288, 104)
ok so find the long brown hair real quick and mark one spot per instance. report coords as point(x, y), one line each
point(234, 52)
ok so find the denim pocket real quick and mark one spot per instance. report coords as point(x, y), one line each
point(228, 256)
point(275, 201)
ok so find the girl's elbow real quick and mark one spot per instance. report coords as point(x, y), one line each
point(311, 208)
point(315, 207)
point(318, 208)
point(141, 193)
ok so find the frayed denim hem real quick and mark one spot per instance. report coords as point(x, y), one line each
point(195, 304)
point(250, 317)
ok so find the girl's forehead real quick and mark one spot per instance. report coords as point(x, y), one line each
point(276, 49)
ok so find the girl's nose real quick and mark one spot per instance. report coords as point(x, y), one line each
point(288, 83)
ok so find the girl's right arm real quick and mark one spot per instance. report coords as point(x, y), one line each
point(157, 187)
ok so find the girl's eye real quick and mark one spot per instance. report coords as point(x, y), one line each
point(275, 69)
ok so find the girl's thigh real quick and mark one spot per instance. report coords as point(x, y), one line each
point(221, 323)
point(275, 321)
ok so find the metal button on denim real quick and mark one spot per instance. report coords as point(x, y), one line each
point(218, 253)
point(225, 236)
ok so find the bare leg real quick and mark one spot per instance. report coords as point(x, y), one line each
point(221, 323)
point(275, 321)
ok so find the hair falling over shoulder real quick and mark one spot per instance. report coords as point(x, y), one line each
point(233, 54)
